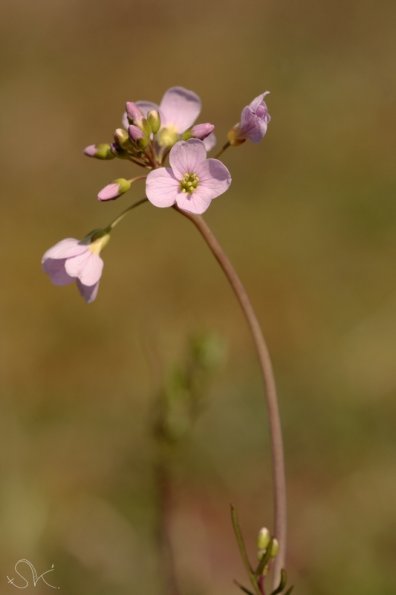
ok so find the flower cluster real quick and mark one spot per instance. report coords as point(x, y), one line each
point(165, 140)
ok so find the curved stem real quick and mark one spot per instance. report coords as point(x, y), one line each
point(121, 216)
point(278, 465)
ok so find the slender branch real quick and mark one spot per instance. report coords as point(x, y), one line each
point(121, 216)
point(278, 466)
point(223, 148)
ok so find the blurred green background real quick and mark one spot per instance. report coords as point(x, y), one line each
point(309, 223)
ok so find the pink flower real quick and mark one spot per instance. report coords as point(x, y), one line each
point(178, 110)
point(77, 260)
point(191, 182)
point(254, 120)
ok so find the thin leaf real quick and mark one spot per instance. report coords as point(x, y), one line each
point(289, 590)
point(242, 549)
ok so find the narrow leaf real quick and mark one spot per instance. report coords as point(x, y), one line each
point(242, 549)
point(244, 589)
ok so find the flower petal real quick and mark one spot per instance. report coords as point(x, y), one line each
point(92, 270)
point(147, 106)
point(179, 108)
point(258, 100)
point(185, 156)
point(210, 141)
point(64, 249)
point(88, 292)
point(214, 178)
point(196, 202)
point(162, 187)
point(55, 268)
point(87, 267)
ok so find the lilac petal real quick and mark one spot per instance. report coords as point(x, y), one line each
point(257, 101)
point(253, 127)
point(179, 108)
point(88, 292)
point(55, 268)
point(64, 249)
point(210, 141)
point(162, 187)
point(185, 156)
point(214, 178)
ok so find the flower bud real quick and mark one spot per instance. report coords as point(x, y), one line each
point(135, 133)
point(263, 538)
point(121, 137)
point(154, 120)
point(274, 548)
point(201, 131)
point(134, 114)
point(101, 151)
point(115, 189)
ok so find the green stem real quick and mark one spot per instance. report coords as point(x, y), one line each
point(121, 216)
point(278, 465)
point(223, 148)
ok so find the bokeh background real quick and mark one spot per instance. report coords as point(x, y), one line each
point(309, 223)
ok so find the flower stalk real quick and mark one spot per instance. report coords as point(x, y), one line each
point(278, 465)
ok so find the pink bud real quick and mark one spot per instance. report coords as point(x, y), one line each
point(201, 131)
point(115, 189)
point(134, 114)
point(135, 133)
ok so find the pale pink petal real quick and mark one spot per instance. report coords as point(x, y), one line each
point(64, 249)
point(185, 156)
point(92, 271)
point(55, 268)
point(193, 203)
point(179, 108)
point(88, 292)
point(162, 187)
point(75, 264)
point(86, 267)
point(210, 141)
point(110, 192)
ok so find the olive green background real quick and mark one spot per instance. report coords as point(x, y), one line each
point(309, 222)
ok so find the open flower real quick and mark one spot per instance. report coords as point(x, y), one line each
point(254, 122)
point(178, 110)
point(191, 182)
point(77, 260)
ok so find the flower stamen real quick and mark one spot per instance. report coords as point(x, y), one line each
point(189, 182)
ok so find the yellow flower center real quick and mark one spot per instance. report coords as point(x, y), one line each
point(189, 182)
